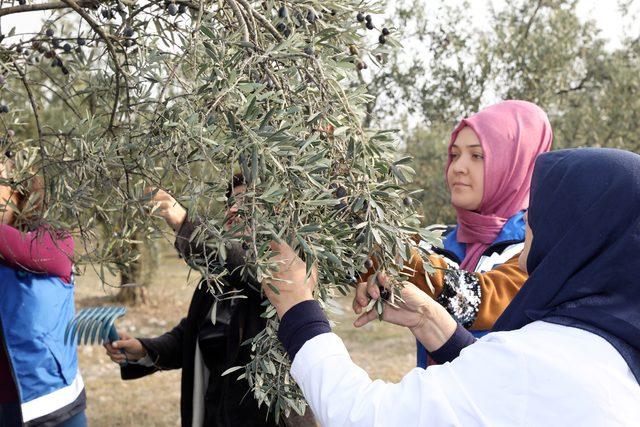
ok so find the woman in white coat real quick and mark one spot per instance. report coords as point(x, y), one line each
point(565, 352)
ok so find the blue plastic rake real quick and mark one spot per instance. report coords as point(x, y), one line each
point(94, 325)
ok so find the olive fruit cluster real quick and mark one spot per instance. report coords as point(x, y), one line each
point(300, 17)
point(54, 43)
point(382, 39)
point(361, 17)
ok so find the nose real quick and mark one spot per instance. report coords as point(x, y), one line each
point(459, 165)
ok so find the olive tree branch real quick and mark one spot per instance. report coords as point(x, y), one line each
point(240, 18)
point(112, 52)
point(44, 6)
point(265, 23)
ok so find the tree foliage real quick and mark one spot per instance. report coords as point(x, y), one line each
point(540, 51)
point(111, 97)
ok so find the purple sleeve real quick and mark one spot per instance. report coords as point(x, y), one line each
point(300, 323)
point(42, 251)
point(460, 339)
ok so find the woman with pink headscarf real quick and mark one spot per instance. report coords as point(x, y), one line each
point(491, 158)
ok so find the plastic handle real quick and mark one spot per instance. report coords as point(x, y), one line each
point(113, 336)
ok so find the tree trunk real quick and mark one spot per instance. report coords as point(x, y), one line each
point(137, 275)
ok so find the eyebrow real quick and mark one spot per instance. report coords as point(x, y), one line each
point(467, 146)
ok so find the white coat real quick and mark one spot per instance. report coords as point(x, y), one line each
point(541, 375)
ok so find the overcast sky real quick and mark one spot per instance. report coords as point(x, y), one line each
point(605, 13)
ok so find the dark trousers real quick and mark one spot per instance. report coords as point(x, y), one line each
point(78, 420)
point(10, 417)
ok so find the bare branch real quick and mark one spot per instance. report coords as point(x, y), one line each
point(44, 6)
point(240, 18)
point(530, 23)
point(262, 19)
point(36, 116)
point(32, 101)
point(251, 24)
point(579, 86)
point(112, 52)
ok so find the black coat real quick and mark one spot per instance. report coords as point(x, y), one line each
point(228, 402)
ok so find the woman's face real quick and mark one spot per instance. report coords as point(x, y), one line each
point(528, 237)
point(465, 176)
point(7, 194)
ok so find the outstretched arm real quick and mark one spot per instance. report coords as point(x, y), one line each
point(341, 393)
point(42, 251)
point(475, 300)
point(192, 241)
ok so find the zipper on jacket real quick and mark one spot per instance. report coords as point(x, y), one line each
point(491, 249)
point(447, 253)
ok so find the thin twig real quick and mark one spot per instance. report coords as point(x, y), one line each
point(112, 51)
point(530, 23)
point(44, 6)
point(62, 98)
point(118, 72)
point(579, 86)
point(32, 101)
point(240, 18)
point(251, 23)
point(36, 116)
point(262, 19)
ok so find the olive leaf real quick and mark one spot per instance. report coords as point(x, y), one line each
point(184, 97)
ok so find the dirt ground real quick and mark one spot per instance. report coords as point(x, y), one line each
point(385, 351)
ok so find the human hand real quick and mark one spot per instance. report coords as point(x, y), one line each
point(5, 168)
point(410, 310)
point(289, 285)
point(125, 349)
point(162, 204)
point(427, 320)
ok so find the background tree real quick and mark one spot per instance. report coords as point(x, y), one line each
point(110, 97)
point(540, 51)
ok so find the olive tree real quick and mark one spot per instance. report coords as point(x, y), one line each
point(111, 97)
point(541, 51)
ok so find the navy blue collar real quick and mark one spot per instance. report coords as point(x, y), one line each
point(512, 231)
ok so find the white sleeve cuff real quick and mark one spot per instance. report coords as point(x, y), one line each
point(316, 350)
point(145, 361)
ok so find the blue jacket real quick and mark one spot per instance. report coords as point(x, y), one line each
point(500, 251)
point(34, 312)
point(512, 232)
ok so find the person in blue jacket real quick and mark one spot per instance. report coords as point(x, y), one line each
point(488, 173)
point(40, 384)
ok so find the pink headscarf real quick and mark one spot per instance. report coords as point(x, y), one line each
point(512, 134)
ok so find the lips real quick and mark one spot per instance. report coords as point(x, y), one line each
point(460, 184)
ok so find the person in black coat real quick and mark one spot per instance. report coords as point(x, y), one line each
point(202, 349)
